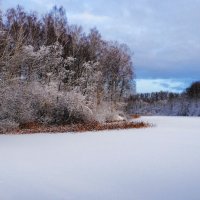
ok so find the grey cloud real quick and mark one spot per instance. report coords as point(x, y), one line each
point(178, 88)
point(165, 85)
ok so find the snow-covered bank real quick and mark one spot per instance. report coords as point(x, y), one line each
point(156, 163)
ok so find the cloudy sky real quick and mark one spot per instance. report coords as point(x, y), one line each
point(164, 35)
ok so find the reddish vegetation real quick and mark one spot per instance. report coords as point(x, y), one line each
point(135, 116)
point(39, 128)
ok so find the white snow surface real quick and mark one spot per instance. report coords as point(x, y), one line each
point(158, 163)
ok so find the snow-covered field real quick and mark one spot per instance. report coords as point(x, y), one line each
point(159, 163)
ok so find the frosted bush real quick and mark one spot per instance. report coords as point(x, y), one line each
point(7, 126)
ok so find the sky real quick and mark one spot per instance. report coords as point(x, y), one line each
point(164, 36)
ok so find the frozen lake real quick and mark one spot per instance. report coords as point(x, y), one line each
point(159, 163)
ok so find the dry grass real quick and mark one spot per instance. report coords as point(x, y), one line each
point(94, 126)
point(135, 116)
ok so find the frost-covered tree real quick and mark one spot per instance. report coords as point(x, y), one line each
point(58, 73)
point(164, 103)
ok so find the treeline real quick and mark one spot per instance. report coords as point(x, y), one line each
point(186, 103)
point(53, 72)
point(154, 96)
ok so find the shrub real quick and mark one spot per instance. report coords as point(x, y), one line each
point(7, 126)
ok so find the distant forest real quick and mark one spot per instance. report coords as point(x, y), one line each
point(52, 72)
point(186, 103)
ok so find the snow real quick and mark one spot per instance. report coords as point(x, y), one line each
point(155, 163)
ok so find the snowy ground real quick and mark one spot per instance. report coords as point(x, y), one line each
point(160, 163)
